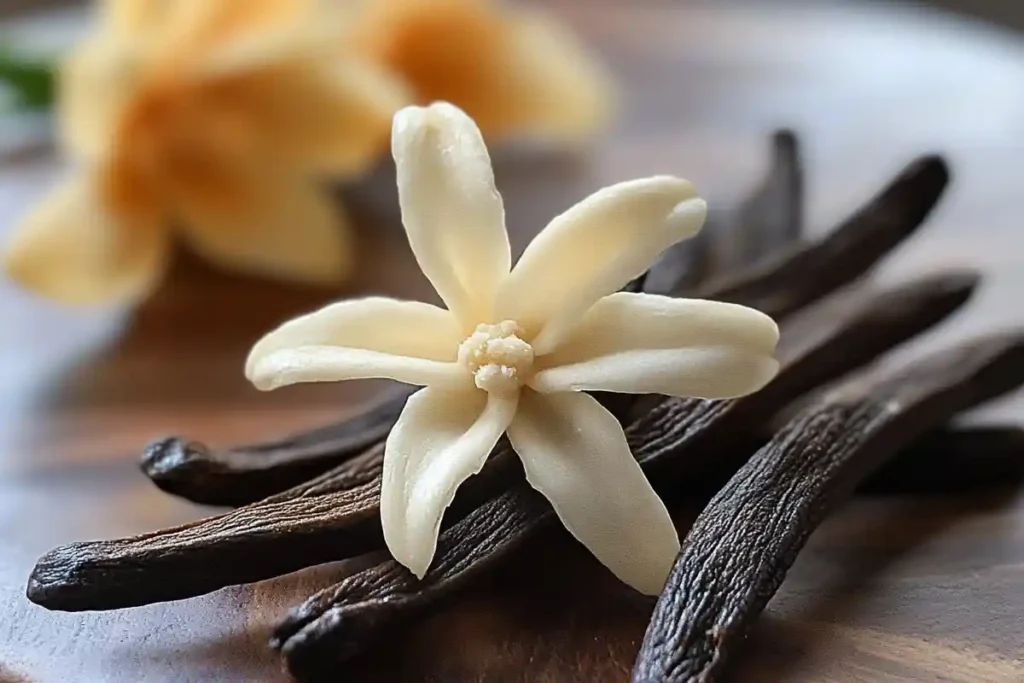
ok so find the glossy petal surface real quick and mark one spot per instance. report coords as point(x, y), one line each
point(575, 453)
point(441, 439)
point(592, 250)
point(453, 214)
point(644, 343)
point(374, 337)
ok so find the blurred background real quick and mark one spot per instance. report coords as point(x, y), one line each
point(867, 85)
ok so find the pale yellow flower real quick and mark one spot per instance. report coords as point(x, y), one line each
point(211, 117)
point(513, 69)
point(517, 347)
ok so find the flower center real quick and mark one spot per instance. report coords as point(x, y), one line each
point(499, 360)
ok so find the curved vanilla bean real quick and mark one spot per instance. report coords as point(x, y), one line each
point(875, 229)
point(675, 439)
point(778, 287)
point(244, 474)
point(684, 266)
point(337, 516)
point(738, 551)
point(767, 222)
point(333, 517)
point(955, 460)
point(771, 219)
point(284, 533)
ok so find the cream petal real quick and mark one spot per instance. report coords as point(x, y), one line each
point(386, 326)
point(592, 250)
point(575, 453)
point(72, 249)
point(441, 438)
point(645, 343)
point(452, 212)
point(335, 364)
point(273, 225)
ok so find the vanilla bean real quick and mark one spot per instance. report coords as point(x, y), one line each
point(245, 474)
point(950, 460)
point(885, 221)
point(333, 517)
point(772, 218)
point(275, 536)
point(738, 551)
point(675, 439)
point(781, 286)
point(767, 222)
point(337, 515)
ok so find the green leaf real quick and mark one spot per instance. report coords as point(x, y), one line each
point(32, 80)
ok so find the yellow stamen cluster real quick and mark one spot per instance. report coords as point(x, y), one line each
point(498, 359)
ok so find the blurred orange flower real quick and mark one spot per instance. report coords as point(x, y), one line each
point(211, 116)
point(513, 69)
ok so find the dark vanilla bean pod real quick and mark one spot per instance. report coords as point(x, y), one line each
point(955, 460)
point(278, 535)
point(686, 265)
point(772, 218)
point(769, 221)
point(783, 284)
point(244, 474)
point(837, 335)
point(871, 232)
point(333, 517)
point(739, 549)
point(951, 460)
point(674, 440)
point(337, 516)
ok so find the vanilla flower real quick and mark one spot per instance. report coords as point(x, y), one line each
point(515, 70)
point(517, 348)
point(211, 117)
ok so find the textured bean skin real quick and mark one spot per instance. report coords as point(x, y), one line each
point(739, 549)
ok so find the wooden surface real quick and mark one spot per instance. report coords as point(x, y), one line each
point(888, 590)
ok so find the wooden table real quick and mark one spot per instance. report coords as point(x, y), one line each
point(888, 590)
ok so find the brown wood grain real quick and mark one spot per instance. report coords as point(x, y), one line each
point(888, 590)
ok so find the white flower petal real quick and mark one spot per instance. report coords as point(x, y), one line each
point(451, 210)
point(644, 343)
point(592, 250)
point(441, 438)
point(575, 454)
point(334, 364)
point(388, 327)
